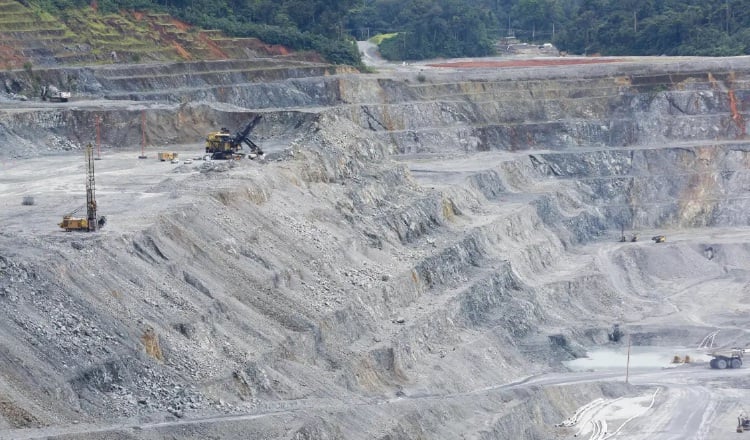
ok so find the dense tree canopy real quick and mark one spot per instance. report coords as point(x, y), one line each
point(442, 28)
point(652, 27)
point(452, 28)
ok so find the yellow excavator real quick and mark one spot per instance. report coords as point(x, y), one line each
point(223, 145)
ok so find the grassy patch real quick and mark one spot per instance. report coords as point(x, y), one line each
point(377, 39)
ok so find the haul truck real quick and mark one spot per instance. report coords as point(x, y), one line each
point(728, 359)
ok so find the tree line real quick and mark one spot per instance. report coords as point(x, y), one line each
point(652, 27)
point(419, 29)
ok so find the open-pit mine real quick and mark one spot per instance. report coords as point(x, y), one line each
point(427, 251)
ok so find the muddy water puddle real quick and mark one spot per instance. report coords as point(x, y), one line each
point(640, 357)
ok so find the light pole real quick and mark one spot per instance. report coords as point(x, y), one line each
point(509, 24)
point(726, 2)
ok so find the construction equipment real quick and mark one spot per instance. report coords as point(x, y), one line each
point(52, 93)
point(91, 222)
point(616, 334)
point(659, 238)
point(623, 239)
point(223, 145)
point(70, 223)
point(167, 156)
point(743, 422)
point(728, 359)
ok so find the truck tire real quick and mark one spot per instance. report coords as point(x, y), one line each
point(736, 363)
point(712, 363)
point(721, 363)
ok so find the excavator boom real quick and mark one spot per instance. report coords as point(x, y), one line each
point(240, 136)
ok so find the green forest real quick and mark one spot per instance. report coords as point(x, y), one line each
point(420, 29)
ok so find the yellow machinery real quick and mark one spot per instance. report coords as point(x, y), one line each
point(659, 238)
point(70, 223)
point(219, 144)
point(224, 145)
point(167, 156)
point(91, 222)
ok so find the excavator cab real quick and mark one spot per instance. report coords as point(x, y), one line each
point(219, 144)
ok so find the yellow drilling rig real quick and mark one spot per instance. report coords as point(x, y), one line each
point(91, 223)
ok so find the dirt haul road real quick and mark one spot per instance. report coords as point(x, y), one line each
point(671, 405)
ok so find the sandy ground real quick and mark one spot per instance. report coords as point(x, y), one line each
point(126, 187)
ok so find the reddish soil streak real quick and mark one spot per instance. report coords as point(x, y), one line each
point(10, 58)
point(526, 63)
point(736, 115)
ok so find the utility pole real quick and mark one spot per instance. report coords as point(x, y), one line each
point(627, 365)
point(509, 25)
point(403, 55)
point(98, 122)
point(726, 2)
point(143, 136)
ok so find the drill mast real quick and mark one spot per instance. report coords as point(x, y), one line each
point(90, 190)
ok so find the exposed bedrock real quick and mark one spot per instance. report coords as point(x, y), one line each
point(354, 286)
point(610, 131)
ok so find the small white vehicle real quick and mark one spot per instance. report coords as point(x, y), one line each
point(53, 94)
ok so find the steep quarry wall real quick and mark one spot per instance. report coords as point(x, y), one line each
point(414, 246)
